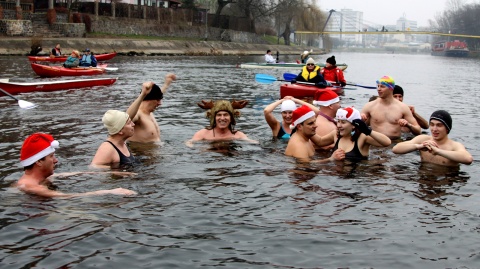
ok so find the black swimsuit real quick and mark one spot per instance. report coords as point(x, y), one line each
point(354, 154)
point(124, 159)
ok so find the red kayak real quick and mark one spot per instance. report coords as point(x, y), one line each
point(99, 57)
point(299, 90)
point(57, 71)
point(48, 86)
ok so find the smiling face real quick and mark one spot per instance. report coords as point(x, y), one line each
point(438, 129)
point(223, 119)
point(344, 127)
point(287, 116)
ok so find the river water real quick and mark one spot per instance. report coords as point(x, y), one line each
point(241, 205)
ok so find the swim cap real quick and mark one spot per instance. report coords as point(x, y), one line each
point(288, 105)
point(155, 94)
point(387, 81)
point(114, 121)
point(398, 90)
point(444, 117)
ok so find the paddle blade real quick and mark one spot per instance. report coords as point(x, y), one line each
point(264, 78)
point(289, 76)
point(25, 104)
point(111, 68)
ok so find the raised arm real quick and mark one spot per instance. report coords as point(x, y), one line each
point(133, 108)
point(268, 113)
point(168, 80)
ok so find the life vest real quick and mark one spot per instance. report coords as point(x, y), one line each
point(57, 52)
point(309, 75)
point(86, 59)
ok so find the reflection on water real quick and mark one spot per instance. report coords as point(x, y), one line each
point(238, 204)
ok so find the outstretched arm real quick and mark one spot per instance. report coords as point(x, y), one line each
point(412, 145)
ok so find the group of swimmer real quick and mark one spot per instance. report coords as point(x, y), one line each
point(322, 126)
point(349, 133)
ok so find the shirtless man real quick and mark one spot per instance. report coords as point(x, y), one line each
point(222, 116)
point(146, 127)
point(329, 103)
point(398, 116)
point(437, 148)
point(398, 94)
point(37, 157)
point(304, 134)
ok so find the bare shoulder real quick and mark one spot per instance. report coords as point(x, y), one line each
point(420, 138)
point(200, 135)
point(368, 106)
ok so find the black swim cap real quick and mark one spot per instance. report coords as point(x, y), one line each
point(154, 94)
point(444, 117)
point(398, 90)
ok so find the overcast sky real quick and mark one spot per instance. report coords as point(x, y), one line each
point(387, 12)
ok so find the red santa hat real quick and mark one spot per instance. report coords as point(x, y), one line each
point(325, 98)
point(35, 147)
point(348, 114)
point(300, 115)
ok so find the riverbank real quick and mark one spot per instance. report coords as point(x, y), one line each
point(21, 46)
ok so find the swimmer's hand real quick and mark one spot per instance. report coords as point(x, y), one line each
point(120, 191)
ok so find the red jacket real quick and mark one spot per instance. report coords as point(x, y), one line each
point(334, 74)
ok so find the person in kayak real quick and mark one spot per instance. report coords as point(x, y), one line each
point(332, 73)
point(269, 58)
point(88, 59)
point(73, 60)
point(56, 51)
point(311, 73)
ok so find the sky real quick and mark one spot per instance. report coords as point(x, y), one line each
point(387, 12)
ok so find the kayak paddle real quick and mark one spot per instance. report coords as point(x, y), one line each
point(21, 103)
point(267, 79)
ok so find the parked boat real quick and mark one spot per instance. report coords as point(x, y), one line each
point(99, 57)
point(284, 65)
point(48, 86)
point(300, 90)
point(454, 48)
point(57, 71)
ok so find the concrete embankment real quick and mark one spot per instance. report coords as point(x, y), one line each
point(21, 46)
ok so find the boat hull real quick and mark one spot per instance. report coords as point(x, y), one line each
point(48, 86)
point(454, 48)
point(99, 57)
point(299, 90)
point(58, 71)
point(283, 66)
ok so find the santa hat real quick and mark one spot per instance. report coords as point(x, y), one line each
point(325, 98)
point(300, 115)
point(35, 147)
point(348, 114)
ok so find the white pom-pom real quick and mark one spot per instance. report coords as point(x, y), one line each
point(54, 144)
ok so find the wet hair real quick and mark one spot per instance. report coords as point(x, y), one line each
point(155, 94)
